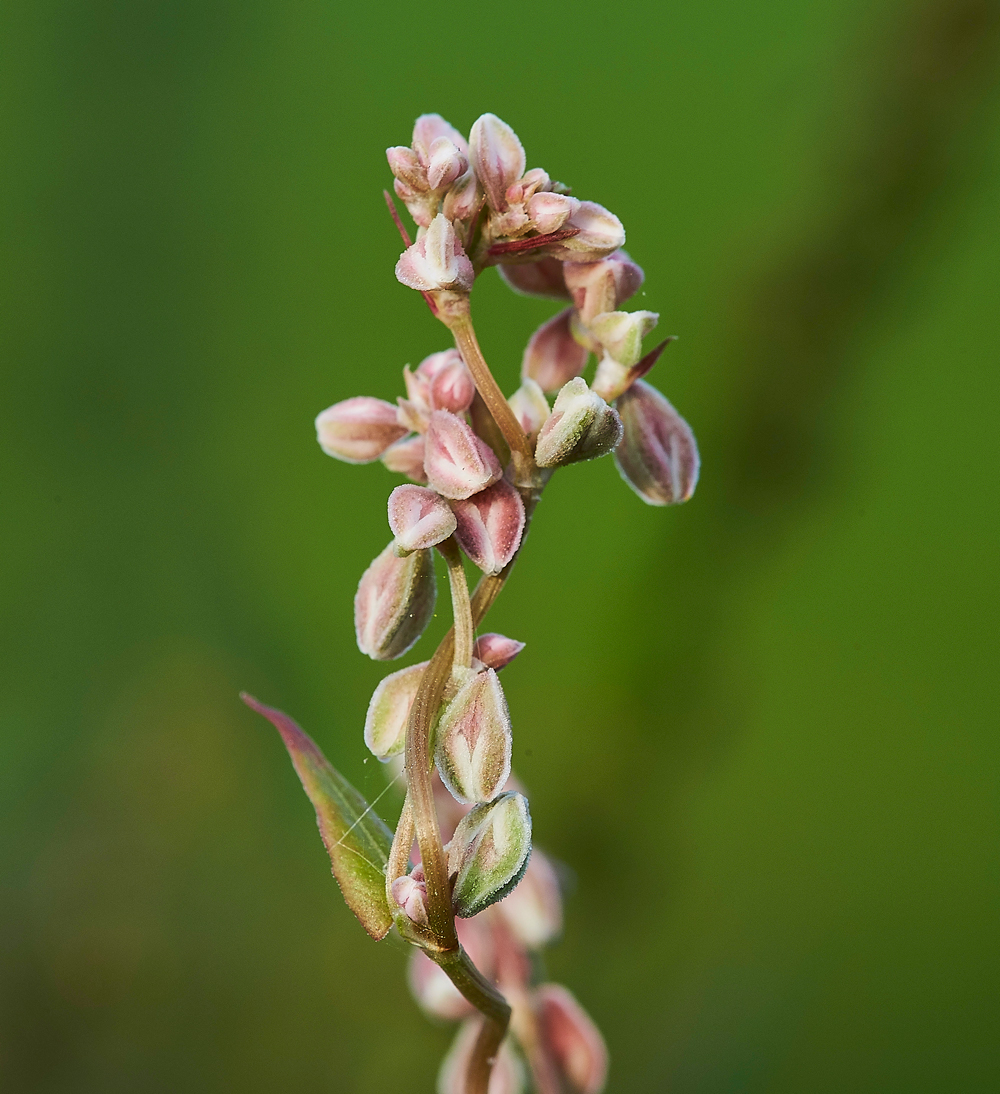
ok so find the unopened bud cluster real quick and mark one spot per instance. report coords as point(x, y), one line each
point(476, 204)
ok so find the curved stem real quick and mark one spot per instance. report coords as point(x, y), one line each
point(461, 609)
point(399, 855)
point(453, 310)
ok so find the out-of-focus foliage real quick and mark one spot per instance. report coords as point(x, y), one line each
point(771, 712)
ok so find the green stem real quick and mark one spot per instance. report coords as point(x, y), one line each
point(454, 312)
point(461, 608)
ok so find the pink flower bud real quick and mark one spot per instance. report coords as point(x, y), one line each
point(430, 127)
point(533, 910)
point(410, 893)
point(429, 983)
point(407, 458)
point(462, 199)
point(436, 260)
point(602, 286)
point(542, 278)
point(497, 158)
point(358, 430)
point(410, 413)
point(489, 525)
point(457, 462)
point(394, 603)
point(507, 1076)
point(405, 165)
point(530, 407)
point(601, 234)
point(419, 518)
point(474, 740)
point(494, 651)
point(553, 356)
point(573, 1040)
point(530, 183)
point(389, 711)
point(488, 854)
point(581, 427)
point(621, 333)
point(452, 387)
point(445, 163)
point(549, 212)
point(611, 379)
point(658, 456)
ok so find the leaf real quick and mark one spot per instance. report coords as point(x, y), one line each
point(356, 839)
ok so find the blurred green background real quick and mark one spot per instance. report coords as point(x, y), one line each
point(760, 729)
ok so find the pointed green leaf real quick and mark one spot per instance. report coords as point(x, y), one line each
point(355, 838)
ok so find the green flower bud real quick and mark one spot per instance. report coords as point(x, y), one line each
point(489, 853)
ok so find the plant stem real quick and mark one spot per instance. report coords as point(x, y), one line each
point(494, 1009)
point(453, 310)
point(399, 855)
point(461, 608)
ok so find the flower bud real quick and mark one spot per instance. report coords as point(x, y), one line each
point(489, 853)
point(430, 127)
point(542, 278)
point(497, 157)
point(602, 286)
point(610, 379)
point(462, 199)
point(553, 356)
point(600, 234)
point(358, 430)
point(410, 893)
point(530, 407)
point(494, 651)
point(429, 983)
point(572, 1039)
point(489, 525)
point(507, 1076)
point(405, 165)
point(452, 387)
point(581, 427)
point(407, 458)
point(533, 910)
point(436, 260)
point(445, 163)
point(658, 456)
point(389, 711)
point(394, 603)
point(621, 333)
point(419, 518)
point(473, 740)
point(457, 462)
point(549, 212)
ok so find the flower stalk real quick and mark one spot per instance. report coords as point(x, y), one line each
point(481, 903)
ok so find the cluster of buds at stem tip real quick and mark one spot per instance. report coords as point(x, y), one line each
point(476, 203)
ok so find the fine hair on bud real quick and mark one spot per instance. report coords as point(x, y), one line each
point(473, 740)
point(658, 455)
point(581, 427)
point(489, 526)
point(389, 711)
point(419, 518)
point(457, 462)
point(488, 854)
point(394, 603)
point(358, 430)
